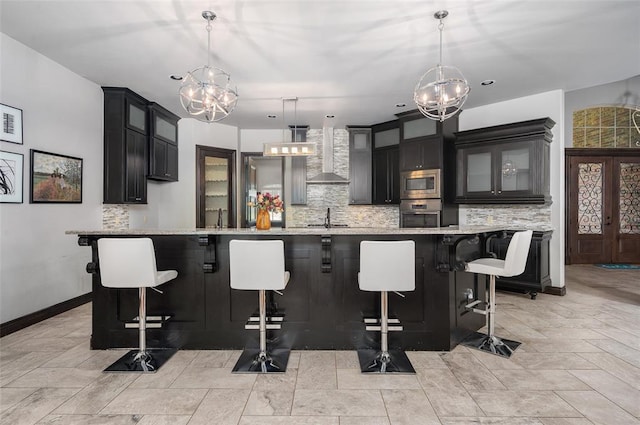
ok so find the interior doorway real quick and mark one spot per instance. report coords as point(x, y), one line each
point(215, 187)
point(603, 205)
point(261, 174)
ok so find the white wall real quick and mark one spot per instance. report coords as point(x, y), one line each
point(40, 266)
point(549, 104)
point(172, 205)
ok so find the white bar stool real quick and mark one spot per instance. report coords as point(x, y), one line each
point(259, 266)
point(131, 263)
point(386, 266)
point(513, 265)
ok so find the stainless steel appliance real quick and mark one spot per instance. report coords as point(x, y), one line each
point(420, 213)
point(420, 184)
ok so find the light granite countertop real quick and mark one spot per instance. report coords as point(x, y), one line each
point(450, 230)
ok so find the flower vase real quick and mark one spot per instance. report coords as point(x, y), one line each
point(263, 221)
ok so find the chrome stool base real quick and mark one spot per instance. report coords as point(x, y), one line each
point(251, 361)
point(148, 361)
point(395, 361)
point(491, 344)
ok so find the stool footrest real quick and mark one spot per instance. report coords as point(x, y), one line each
point(370, 320)
point(472, 306)
point(273, 318)
point(153, 322)
point(373, 324)
point(256, 325)
point(390, 328)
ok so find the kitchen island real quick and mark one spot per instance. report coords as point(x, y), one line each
point(322, 305)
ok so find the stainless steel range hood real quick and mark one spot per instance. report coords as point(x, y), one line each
point(327, 176)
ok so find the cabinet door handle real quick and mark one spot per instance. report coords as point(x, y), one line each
point(167, 174)
point(493, 191)
point(499, 191)
point(138, 199)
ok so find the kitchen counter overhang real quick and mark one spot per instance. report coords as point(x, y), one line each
point(322, 305)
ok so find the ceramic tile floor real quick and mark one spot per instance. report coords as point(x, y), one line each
point(579, 364)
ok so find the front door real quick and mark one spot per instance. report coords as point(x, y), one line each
point(603, 208)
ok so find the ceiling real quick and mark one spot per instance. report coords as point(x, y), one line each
point(355, 59)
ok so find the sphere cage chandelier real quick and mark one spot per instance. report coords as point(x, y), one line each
point(206, 93)
point(442, 90)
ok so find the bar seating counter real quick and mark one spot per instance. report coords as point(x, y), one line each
point(322, 306)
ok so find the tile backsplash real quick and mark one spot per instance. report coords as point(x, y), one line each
point(115, 216)
point(535, 217)
point(336, 196)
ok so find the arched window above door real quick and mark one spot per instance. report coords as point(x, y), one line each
point(606, 127)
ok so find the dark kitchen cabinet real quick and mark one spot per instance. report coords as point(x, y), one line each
point(505, 164)
point(359, 165)
point(536, 275)
point(386, 176)
point(385, 163)
point(163, 144)
point(422, 154)
point(422, 141)
point(125, 147)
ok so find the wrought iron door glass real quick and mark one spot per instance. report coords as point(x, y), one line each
point(590, 176)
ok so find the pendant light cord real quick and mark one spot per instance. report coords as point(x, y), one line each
point(209, 43)
point(283, 124)
point(440, 28)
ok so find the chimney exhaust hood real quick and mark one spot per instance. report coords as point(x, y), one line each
point(327, 176)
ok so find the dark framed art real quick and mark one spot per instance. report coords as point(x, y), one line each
point(11, 166)
point(11, 124)
point(55, 178)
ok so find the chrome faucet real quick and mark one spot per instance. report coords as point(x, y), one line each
point(327, 219)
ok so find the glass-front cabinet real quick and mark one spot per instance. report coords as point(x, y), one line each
point(163, 144)
point(504, 164)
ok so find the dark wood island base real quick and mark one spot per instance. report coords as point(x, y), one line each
point(322, 305)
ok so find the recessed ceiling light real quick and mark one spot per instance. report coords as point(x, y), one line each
point(487, 82)
point(400, 105)
point(271, 116)
point(175, 77)
point(329, 116)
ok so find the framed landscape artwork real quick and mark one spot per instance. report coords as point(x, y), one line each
point(11, 166)
point(55, 178)
point(11, 124)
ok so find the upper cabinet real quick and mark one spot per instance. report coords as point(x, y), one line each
point(385, 172)
point(163, 144)
point(422, 140)
point(505, 164)
point(140, 142)
point(359, 165)
point(125, 147)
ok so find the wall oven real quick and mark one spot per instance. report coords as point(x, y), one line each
point(420, 184)
point(420, 213)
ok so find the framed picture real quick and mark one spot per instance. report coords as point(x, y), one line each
point(55, 178)
point(11, 166)
point(11, 124)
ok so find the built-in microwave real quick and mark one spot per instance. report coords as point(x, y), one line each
point(420, 184)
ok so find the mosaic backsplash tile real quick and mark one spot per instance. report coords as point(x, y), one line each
point(336, 196)
point(115, 216)
point(534, 217)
